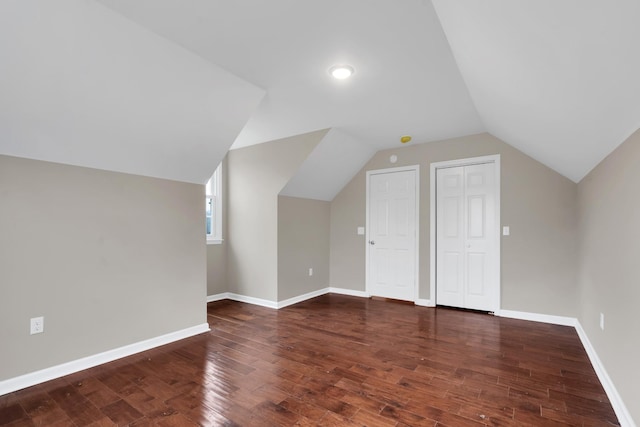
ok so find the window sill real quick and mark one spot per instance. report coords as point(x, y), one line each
point(214, 241)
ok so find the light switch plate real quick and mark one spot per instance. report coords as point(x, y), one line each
point(505, 230)
point(360, 231)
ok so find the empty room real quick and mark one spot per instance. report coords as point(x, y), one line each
point(332, 213)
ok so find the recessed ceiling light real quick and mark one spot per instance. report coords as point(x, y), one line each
point(341, 72)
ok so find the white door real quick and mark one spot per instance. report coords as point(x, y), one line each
point(467, 258)
point(392, 234)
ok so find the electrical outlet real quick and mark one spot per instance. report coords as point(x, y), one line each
point(602, 321)
point(311, 272)
point(37, 325)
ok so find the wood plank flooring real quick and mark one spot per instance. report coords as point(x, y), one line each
point(335, 361)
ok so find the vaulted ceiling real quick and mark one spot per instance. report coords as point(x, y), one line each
point(165, 87)
point(81, 85)
point(555, 79)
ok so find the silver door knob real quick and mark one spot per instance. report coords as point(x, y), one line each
point(371, 242)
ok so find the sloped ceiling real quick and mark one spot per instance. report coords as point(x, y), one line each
point(558, 80)
point(82, 85)
point(344, 155)
point(406, 80)
point(164, 87)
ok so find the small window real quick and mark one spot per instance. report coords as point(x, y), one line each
point(213, 207)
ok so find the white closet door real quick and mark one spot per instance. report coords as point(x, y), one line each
point(450, 237)
point(466, 241)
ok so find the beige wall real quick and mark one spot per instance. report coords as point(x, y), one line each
point(108, 259)
point(609, 199)
point(539, 259)
point(217, 268)
point(303, 243)
point(217, 253)
point(347, 256)
point(256, 175)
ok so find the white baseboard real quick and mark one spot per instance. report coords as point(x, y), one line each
point(251, 300)
point(37, 377)
point(304, 297)
point(350, 292)
point(300, 298)
point(218, 297)
point(536, 317)
point(624, 417)
point(287, 302)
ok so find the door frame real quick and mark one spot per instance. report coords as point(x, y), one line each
point(432, 229)
point(416, 169)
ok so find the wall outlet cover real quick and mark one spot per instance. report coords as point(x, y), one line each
point(37, 325)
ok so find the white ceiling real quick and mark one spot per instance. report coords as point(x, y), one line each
point(82, 85)
point(555, 78)
point(406, 80)
point(332, 164)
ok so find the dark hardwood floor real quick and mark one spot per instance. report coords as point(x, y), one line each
point(335, 361)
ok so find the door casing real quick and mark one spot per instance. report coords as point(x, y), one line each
point(432, 228)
